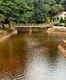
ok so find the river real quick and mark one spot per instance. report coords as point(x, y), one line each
point(32, 57)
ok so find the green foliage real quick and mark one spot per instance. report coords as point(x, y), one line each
point(58, 24)
point(29, 11)
point(2, 32)
point(61, 20)
point(2, 17)
point(65, 22)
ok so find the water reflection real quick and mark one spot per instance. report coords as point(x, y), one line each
point(31, 57)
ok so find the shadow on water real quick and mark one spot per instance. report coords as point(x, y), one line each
point(31, 57)
point(13, 55)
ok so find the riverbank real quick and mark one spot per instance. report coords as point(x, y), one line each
point(58, 30)
point(62, 47)
point(7, 35)
point(57, 33)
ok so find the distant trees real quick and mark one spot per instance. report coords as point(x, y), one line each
point(63, 2)
point(29, 11)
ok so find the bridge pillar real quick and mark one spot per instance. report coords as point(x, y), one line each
point(30, 30)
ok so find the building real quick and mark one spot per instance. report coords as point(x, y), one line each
point(63, 15)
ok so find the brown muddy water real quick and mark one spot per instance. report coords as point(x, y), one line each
point(32, 57)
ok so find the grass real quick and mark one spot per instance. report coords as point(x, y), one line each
point(2, 32)
point(56, 30)
point(58, 24)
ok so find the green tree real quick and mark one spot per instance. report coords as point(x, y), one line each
point(29, 11)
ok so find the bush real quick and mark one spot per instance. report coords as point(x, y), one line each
point(65, 25)
point(9, 30)
point(61, 20)
point(65, 22)
point(2, 32)
point(57, 24)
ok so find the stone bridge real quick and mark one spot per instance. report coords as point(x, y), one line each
point(30, 29)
